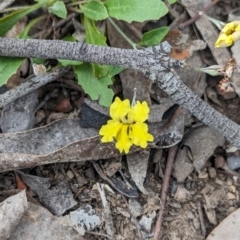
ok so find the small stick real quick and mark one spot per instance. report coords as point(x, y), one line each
point(198, 15)
point(31, 85)
point(171, 155)
point(107, 211)
point(200, 213)
point(154, 62)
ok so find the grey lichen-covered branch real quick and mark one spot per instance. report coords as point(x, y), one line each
point(154, 62)
point(31, 84)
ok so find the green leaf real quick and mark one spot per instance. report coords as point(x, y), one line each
point(95, 10)
point(8, 67)
point(95, 78)
point(136, 10)
point(6, 23)
point(66, 63)
point(154, 36)
point(59, 9)
point(114, 70)
point(96, 88)
point(172, 1)
point(93, 35)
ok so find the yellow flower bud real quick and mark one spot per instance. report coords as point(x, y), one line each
point(229, 34)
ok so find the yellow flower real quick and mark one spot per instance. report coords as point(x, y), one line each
point(127, 125)
point(229, 34)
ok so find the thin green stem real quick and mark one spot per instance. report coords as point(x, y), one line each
point(78, 3)
point(122, 33)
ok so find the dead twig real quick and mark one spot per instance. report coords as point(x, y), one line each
point(154, 62)
point(106, 211)
point(30, 85)
point(171, 155)
point(198, 15)
point(201, 218)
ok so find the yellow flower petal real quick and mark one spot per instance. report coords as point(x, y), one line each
point(224, 41)
point(123, 142)
point(139, 134)
point(229, 34)
point(229, 40)
point(229, 28)
point(110, 130)
point(139, 112)
point(237, 28)
point(119, 109)
point(236, 36)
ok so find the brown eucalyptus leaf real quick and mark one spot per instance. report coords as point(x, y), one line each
point(157, 111)
point(137, 166)
point(202, 142)
point(66, 141)
point(19, 115)
point(169, 132)
point(82, 150)
point(46, 139)
point(57, 199)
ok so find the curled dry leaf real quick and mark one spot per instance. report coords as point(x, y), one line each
point(169, 132)
point(66, 141)
point(47, 139)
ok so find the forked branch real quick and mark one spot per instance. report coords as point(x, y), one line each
point(154, 62)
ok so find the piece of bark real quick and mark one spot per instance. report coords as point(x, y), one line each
point(154, 62)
